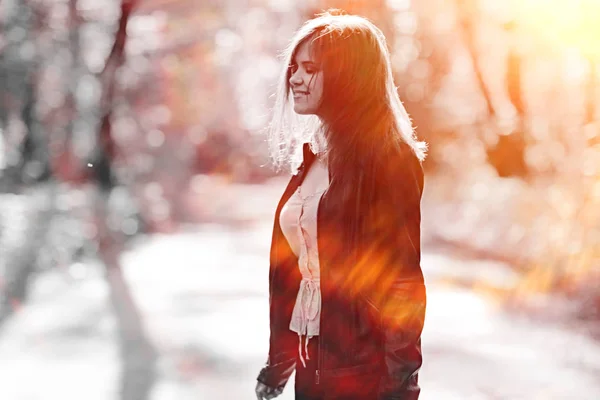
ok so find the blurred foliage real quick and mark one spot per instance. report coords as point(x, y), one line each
point(506, 94)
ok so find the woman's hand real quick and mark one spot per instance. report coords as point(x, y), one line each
point(263, 392)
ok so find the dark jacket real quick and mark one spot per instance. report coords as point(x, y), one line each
point(373, 292)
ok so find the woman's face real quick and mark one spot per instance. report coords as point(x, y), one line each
point(306, 81)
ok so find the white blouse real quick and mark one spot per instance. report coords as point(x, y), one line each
point(298, 221)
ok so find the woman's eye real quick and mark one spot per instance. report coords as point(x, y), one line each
point(310, 71)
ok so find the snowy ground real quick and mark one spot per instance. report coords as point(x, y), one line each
point(203, 294)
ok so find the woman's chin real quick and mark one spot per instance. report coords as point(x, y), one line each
point(303, 110)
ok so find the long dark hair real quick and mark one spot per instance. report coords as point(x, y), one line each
point(360, 116)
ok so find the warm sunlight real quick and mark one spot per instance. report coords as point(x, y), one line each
point(564, 23)
point(232, 200)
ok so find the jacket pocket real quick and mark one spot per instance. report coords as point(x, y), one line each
point(356, 370)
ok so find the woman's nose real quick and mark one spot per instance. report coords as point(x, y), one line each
point(295, 79)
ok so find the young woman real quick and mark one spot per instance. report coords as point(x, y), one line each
point(347, 295)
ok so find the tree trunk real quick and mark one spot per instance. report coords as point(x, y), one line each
point(25, 227)
point(137, 353)
point(592, 87)
point(507, 155)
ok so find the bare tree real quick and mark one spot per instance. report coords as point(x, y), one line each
point(507, 155)
point(137, 353)
point(28, 154)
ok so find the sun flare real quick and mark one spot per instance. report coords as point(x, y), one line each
point(561, 23)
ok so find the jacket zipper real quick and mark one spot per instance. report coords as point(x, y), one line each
point(319, 351)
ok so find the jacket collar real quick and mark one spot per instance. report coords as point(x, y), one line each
point(307, 155)
point(307, 159)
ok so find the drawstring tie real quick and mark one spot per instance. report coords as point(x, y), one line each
point(305, 348)
point(309, 311)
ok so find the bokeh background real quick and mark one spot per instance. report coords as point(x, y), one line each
point(136, 198)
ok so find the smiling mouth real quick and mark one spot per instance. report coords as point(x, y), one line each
point(300, 93)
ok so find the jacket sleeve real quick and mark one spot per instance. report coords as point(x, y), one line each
point(395, 234)
point(281, 361)
point(283, 343)
point(276, 373)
